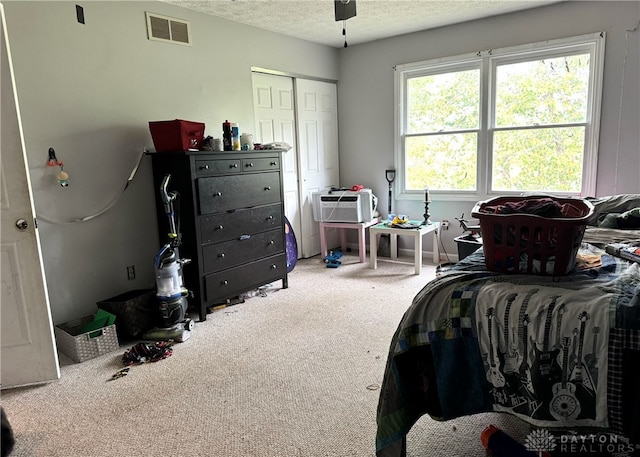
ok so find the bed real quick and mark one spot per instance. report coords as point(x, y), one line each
point(554, 351)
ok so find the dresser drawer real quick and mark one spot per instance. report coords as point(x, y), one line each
point(207, 167)
point(243, 249)
point(226, 226)
point(261, 164)
point(224, 193)
point(234, 281)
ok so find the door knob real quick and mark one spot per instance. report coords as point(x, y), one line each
point(22, 224)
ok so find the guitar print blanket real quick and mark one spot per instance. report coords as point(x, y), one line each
point(553, 372)
point(554, 351)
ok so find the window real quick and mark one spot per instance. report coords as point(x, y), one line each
point(514, 120)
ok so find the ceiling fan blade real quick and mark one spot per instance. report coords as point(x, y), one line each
point(345, 9)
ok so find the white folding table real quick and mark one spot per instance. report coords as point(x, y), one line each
point(385, 227)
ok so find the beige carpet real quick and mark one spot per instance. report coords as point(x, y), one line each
point(293, 373)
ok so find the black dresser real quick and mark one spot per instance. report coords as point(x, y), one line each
point(231, 215)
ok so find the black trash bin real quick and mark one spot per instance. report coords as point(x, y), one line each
point(136, 312)
point(467, 245)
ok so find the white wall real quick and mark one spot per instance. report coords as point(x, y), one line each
point(366, 93)
point(89, 91)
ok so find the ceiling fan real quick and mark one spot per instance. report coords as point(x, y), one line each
point(344, 9)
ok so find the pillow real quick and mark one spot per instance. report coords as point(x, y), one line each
point(616, 204)
point(629, 220)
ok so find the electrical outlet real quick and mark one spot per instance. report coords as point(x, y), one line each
point(444, 224)
point(131, 272)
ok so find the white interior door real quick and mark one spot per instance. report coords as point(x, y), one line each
point(274, 108)
point(28, 347)
point(317, 118)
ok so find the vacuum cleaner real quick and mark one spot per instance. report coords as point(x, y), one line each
point(171, 293)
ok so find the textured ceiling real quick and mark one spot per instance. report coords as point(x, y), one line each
point(313, 20)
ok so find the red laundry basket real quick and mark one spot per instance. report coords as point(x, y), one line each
point(531, 244)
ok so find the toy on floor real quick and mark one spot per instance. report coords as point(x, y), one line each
point(500, 444)
point(333, 259)
point(291, 245)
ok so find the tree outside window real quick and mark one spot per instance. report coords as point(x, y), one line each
point(504, 121)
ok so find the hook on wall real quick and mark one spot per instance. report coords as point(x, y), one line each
point(62, 176)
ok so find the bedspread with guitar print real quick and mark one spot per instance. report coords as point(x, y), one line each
point(554, 351)
point(535, 357)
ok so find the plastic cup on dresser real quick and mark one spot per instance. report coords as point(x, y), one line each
point(246, 141)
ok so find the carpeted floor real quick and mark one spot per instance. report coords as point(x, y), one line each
point(295, 372)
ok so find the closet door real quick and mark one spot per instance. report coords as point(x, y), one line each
point(273, 102)
point(304, 114)
point(318, 145)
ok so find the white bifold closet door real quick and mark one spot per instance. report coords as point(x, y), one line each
point(304, 114)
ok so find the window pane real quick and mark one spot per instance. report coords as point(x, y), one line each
point(543, 92)
point(441, 162)
point(443, 102)
point(548, 160)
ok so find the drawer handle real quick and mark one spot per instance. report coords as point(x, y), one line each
point(204, 167)
point(219, 227)
point(217, 194)
point(250, 164)
point(221, 255)
point(224, 282)
point(267, 188)
point(274, 267)
point(271, 242)
point(235, 165)
point(270, 218)
point(274, 163)
point(244, 237)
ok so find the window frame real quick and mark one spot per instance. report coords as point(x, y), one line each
point(487, 61)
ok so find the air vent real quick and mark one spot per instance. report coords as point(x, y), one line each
point(168, 29)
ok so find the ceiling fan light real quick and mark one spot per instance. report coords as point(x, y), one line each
point(344, 9)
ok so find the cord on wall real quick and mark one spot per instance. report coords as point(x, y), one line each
point(107, 207)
